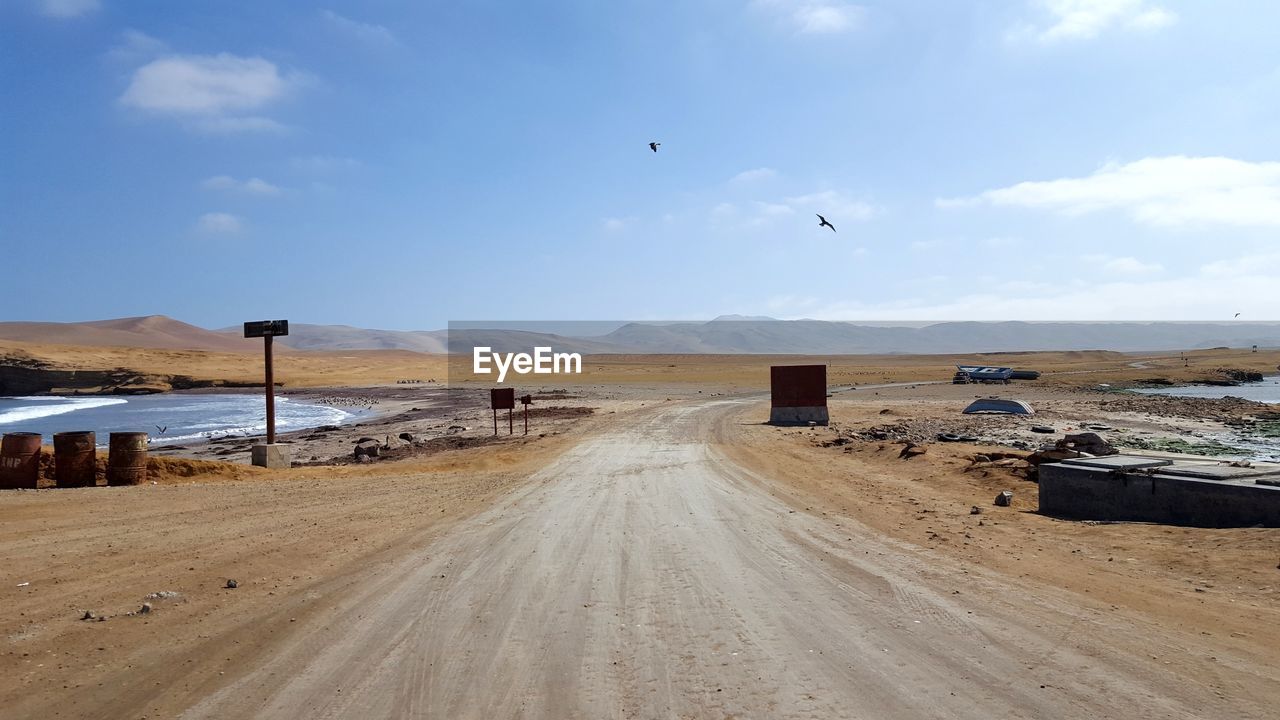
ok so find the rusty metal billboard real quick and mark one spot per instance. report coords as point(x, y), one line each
point(502, 398)
point(798, 385)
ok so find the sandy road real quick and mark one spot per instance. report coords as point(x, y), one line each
point(643, 575)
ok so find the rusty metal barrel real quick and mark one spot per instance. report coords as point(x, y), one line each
point(127, 458)
point(75, 459)
point(20, 460)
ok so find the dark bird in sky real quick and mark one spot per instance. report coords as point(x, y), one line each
point(824, 223)
point(162, 429)
point(654, 146)
point(1237, 314)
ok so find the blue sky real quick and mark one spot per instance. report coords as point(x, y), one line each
point(397, 165)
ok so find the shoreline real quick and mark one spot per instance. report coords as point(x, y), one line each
point(368, 407)
point(403, 421)
point(1223, 427)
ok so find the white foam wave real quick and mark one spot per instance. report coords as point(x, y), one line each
point(307, 416)
point(32, 412)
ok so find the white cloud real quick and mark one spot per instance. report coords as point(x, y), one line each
point(1243, 266)
point(817, 16)
point(615, 224)
point(252, 186)
point(220, 182)
point(136, 46)
point(1086, 19)
point(1153, 19)
point(68, 8)
point(724, 210)
point(369, 33)
point(230, 125)
point(755, 175)
point(774, 209)
point(923, 245)
point(1121, 265)
point(324, 164)
point(1001, 242)
point(835, 206)
point(205, 84)
point(1215, 291)
point(219, 223)
point(1164, 191)
point(211, 93)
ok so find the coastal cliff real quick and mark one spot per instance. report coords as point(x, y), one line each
point(32, 376)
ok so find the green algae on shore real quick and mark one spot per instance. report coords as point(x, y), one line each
point(1207, 448)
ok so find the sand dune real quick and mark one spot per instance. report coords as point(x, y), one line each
point(151, 331)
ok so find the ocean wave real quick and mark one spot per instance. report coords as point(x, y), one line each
point(224, 431)
point(301, 416)
point(32, 412)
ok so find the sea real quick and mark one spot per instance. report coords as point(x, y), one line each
point(1267, 391)
point(1251, 447)
point(168, 418)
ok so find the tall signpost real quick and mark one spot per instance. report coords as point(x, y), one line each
point(269, 455)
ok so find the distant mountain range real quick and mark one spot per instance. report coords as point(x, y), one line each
point(727, 335)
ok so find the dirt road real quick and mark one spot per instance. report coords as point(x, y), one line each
point(644, 575)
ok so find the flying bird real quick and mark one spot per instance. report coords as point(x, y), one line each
point(162, 429)
point(1237, 314)
point(824, 223)
point(654, 146)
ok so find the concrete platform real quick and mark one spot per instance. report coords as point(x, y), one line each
point(1118, 462)
point(799, 416)
point(271, 456)
point(1144, 489)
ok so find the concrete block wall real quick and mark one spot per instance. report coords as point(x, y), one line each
point(1084, 493)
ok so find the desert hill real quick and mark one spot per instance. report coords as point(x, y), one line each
point(839, 338)
point(306, 336)
point(734, 334)
point(152, 331)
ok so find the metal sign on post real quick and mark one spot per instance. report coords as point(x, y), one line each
point(266, 328)
point(526, 401)
point(503, 399)
point(268, 455)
